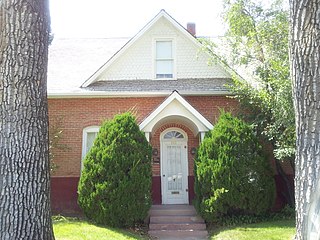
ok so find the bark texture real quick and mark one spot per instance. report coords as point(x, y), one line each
point(305, 68)
point(24, 165)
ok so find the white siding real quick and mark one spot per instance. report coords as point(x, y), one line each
point(138, 61)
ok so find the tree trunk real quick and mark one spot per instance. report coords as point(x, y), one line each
point(24, 165)
point(305, 69)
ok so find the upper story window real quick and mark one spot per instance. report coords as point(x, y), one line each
point(164, 66)
point(88, 137)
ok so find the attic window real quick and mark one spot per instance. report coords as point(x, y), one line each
point(164, 59)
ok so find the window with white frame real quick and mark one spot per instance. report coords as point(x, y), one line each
point(88, 137)
point(164, 65)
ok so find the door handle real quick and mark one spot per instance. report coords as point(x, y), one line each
point(163, 175)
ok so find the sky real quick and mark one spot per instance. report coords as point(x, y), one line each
point(124, 18)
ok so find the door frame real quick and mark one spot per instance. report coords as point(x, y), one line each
point(185, 165)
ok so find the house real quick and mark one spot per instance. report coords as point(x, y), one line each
point(163, 74)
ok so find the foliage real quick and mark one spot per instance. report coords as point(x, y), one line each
point(115, 184)
point(258, 39)
point(55, 135)
point(80, 229)
point(258, 36)
point(233, 177)
point(286, 213)
point(276, 230)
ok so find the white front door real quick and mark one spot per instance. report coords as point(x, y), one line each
point(174, 167)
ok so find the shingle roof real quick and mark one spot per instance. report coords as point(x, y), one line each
point(73, 61)
point(216, 85)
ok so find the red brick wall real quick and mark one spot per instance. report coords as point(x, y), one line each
point(83, 112)
point(210, 106)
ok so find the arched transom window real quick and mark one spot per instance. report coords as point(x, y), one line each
point(173, 135)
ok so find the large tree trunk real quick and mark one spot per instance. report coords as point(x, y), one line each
point(24, 166)
point(305, 57)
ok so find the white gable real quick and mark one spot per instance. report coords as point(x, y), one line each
point(176, 107)
point(136, 59)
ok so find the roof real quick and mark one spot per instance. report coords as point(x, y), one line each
point(183, 86)
point(161, 14)
point(72, 61)
point(177, 107)
point(76, 64)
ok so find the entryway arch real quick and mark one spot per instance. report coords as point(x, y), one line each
point(174, 166)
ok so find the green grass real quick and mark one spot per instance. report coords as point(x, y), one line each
point(277, 230)
point(77, 229)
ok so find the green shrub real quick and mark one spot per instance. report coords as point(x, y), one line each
point(287, 213)
point(233, 177)
point(115, 184)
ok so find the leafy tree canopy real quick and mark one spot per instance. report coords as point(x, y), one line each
point(258, 37)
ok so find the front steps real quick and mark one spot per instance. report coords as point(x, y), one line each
point(176, 222)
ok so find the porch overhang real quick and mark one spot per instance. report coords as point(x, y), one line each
point(176, 109)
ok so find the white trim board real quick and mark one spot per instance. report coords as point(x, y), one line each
point(128, 94)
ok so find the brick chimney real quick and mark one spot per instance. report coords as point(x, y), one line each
point(191, 27)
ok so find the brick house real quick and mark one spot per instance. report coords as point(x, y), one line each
point(163, 74)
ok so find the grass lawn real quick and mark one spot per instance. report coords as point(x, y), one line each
point(277, 230)
point(76, 229)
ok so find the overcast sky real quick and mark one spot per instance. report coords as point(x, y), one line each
point(124, 18)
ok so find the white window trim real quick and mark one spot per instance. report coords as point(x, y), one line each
point(85, 132)
point(174, 57)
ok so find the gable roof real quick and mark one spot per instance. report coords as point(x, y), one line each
point(73, 60)
point(124, 49)
point(177, 107)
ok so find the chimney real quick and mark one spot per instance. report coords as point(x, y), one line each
point(191, 27)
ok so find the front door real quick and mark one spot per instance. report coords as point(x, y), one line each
point(174, 167)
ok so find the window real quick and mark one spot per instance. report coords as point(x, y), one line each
point(164, 59)
point(173, 134)
point(88, 137)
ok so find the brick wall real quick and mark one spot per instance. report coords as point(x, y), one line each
point(83, 112)
point(80, 113)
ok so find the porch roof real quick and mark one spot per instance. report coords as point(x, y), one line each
point(175, 107)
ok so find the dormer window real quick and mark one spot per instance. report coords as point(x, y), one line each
point(164, 62)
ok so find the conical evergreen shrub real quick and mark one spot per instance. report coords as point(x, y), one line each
point(115, 184)
point(232, 175)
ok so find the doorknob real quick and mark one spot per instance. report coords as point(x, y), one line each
point(163, 175)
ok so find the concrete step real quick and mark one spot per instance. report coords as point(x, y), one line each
point(180, 234)
point(176, 222)
point(180, 211)
point(176, 219)
point(172, 206)
point(177, 226)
